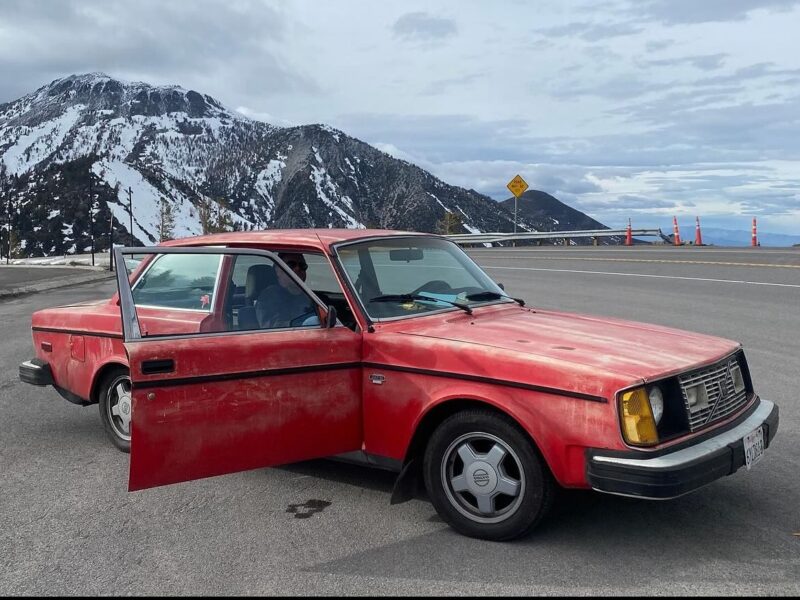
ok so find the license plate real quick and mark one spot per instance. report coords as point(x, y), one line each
point(753, 447)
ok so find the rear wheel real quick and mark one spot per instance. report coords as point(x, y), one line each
point(485, 477)
point(116, 407)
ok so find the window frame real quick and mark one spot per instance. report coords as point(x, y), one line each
point(131, 330)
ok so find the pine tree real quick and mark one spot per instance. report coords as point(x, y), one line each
point(204, 213)
point(214, 217)
point(14, 246)
point(223, 222)
point(451, 223)
point(166, 221)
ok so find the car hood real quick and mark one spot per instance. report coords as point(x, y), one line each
point(627, 348)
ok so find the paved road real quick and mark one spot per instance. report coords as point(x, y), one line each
point(68, 527)
point(16, 280)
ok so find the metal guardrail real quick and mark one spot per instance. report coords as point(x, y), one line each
point(478, 238)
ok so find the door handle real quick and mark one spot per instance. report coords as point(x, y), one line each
point(156, 366)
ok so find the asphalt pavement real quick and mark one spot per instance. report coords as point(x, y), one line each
point(18, 280)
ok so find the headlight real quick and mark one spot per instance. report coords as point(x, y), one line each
point(696, 397)
point(656, 403)
point(738, 380)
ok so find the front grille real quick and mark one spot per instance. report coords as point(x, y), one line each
point(721, 399)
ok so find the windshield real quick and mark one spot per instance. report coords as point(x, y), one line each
point(403, 277)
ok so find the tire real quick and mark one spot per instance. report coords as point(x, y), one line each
point(114, 398)
point(485, 477)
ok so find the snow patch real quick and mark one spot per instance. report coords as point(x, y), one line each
point(265, 184)
point(325, 186)
point(335, 133)
point(40, 142)
point(440, 202)
point(146, 201)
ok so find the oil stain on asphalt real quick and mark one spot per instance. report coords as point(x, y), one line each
point(307, 509)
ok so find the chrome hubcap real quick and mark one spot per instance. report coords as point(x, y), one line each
point(120, 406)
point(483, 477)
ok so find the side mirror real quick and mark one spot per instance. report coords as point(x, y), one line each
point(501, 286)
point(330, 318)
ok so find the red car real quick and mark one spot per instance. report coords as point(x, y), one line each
point(244, 350)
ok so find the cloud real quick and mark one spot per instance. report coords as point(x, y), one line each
point(658, 45)
point(442, 86)
point(441, 137)
point(591, 32)
point(607, 105)
point(675, 12)
point(207, 45)
point(420, 26)
point(265, 117)
point(707, 62)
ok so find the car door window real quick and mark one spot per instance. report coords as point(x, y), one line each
point(321, 279)
point(179, 281)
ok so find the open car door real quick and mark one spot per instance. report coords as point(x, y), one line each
point(219, 394)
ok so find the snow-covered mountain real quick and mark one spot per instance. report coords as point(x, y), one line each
point(159, 149)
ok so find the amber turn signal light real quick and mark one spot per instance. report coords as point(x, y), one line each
point(638, 425)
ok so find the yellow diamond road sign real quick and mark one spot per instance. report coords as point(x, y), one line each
point(517, 186)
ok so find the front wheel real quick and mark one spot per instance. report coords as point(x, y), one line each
point(485, 477)
point(116, 406)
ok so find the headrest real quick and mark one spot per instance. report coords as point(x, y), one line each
point(259, 277)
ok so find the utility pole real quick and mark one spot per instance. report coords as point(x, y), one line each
point(8, 220)
point(130, 210)
point(91, 212)
point(110, 240)
point(8, 229)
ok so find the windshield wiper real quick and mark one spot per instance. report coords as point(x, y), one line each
point(487, 295)
point(411, 297)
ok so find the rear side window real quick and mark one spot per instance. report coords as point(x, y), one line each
point(179, 281)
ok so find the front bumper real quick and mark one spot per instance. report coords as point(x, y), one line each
point(672, 473)
point(36, 372)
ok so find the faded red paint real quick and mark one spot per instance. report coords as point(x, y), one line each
point(266, 418)
point(576, 363)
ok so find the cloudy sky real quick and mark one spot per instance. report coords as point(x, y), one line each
point(639, 109)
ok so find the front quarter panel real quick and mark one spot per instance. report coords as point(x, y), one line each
point(419, 375)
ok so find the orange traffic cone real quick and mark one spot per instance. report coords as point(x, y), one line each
point(698, 237)
point(629, 235)
point(754, 241)
point(676, 238)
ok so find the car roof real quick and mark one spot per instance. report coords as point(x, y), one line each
point(288, 237)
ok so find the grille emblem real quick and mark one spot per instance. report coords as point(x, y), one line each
point(715, 385)
point(722, 385)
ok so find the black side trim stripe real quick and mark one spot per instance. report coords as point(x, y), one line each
point(357, 365)
point(78, 332)
point(481, 379)
point(161, 383)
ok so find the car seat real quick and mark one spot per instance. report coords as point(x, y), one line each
point(258, 277)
